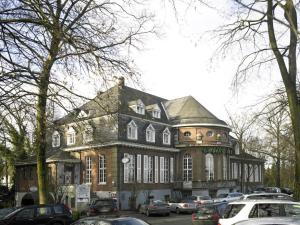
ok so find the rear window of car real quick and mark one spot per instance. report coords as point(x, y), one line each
point(266, 210)
point(292, 210)
point(232, 210)
point(222, 195)
point(43, 211)
point(205, 197)
point(104, 202)
point(206, 210)
point(58, 209)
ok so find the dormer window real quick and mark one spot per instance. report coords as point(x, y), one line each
point(55, 139)
point(140, 107)
point(82, 114)
point(167, 136)
point(150, 134)
point(132, 130)
point(88, 134)
point(156, 113)
point(71, 136)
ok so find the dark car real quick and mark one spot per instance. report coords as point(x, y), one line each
point(105, 207)
point(5, 211)
point(110, 221)
point(157, 207)
point(287, 191)
point(209, 214)
point(52, 214)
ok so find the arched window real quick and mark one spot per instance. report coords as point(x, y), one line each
point(88, 134)
point(55, 139)
point(150, 134)
point(140, 107)
point(167, 136)
point(187, 134)
point(132, 130)
point(71, 136)
point(187, 167)
point(209, 166)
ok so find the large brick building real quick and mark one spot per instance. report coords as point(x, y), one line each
point(129, 144)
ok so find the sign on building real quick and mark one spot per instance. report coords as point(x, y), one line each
point(83, 193)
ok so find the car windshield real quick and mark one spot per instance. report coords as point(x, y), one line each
point(103, 202)
point(159, 202)
point(222, 195)
point(232, 210)
point(6, 211)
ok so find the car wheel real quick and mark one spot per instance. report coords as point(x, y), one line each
point(147, 213)
point(178, 211)
point(56, 224)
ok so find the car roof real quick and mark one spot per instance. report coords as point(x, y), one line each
point(266, 193)
point(245, 201)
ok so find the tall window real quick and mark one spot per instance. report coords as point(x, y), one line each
point(187, 167)
point(71, 136)
point(88, 170)
point(209, 166)
point(224, 167)
point(150, 134)
point(55, 139)
point(102, 169)
point(132, 131)
point(166, 137)
point(156, 113)
point(167, 170)
point(88, 134)
point(148, 169)
point(129, 168)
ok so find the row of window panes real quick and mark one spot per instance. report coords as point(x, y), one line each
point(150, 133)
point(155, 169)
point(252, 173)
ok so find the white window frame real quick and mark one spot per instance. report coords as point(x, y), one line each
point(55, 139)
point(146, 169)
point(102, 170)
point(140, 107)
point(150, 134)
point(209, 167)
point(139, 168)
point(167, 170)
point(225, 177)
point(156, 169)
point(132, 130)
point(129, 169)
point(71, 136)
point(161, 170)
point(187, 167)
point(156, 113)
point(88, 169)
point(167, 137)
point(88, 134)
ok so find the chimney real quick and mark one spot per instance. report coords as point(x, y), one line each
point(121, 81)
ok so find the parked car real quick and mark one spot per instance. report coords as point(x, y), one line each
point(104, 207)
point(155, 207)
point(287, 191)
point(247, 209)
point(259, 190)
point(279, 196)
point(110, 221)
point(209, 214)
point(201, 199)
point(271, 221)
point(185, 206)
point(228, 197)
point(273, 189)
point(5, 211)
point(50, 214)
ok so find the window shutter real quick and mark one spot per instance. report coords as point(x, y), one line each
point(161, 169)
point(172, 170)
point(156, 169)
point(145, 169)
point(139, 169)
point(126, 169)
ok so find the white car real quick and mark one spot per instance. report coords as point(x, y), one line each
point(247, 209)
point(229, 197)
point(201, 199)
point(271, 221)
point(278, 196)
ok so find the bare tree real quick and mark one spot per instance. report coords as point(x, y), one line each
point(270, 29)
point(46, 44)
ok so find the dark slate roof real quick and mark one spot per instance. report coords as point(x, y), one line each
point(116, 100)
point(243, 156)
point(188, 110)
point(51, 156)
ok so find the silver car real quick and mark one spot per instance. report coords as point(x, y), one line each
point(271, 221)
point(155, 207)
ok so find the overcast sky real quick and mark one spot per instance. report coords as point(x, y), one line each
point(179, 62)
